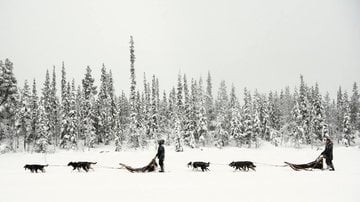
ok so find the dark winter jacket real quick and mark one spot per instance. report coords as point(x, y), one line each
point(161, 152)
point(328, 152)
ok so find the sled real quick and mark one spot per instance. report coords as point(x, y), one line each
point(317, 164)
point(151, 167)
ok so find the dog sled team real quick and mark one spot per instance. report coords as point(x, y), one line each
point(327, 154)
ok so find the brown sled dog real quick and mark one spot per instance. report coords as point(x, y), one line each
point(148, 168)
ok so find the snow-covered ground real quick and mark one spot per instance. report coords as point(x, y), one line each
point(180, 183)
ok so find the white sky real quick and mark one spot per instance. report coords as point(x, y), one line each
point(258, 44)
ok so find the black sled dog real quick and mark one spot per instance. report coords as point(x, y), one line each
point(243, 165)
point(85, 165)
point(199, 164)
point(35, 167)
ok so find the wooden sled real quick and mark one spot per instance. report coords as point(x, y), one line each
point(317, 164)
point(151, 167)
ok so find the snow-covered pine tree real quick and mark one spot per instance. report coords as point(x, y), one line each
point(347, 129)
point(221, 106)
point(256, 129)
point(194, 114)
point(178, 135)
point(179, 113)
point(42, 127)
point(134, 125)
point(79, 103)
point(265, 120)
point(209, 104)
point(24, 115)
point(317, 115)
point(69, 135)
point(330, 113)
point(355, 108)
point(113, 107)
point(63, 82)
point(257, 118)
point(286, 106)
point(157, 89)
point(202, 122)
point(172, 113)
point(236, 126)
point(247, 120)
point(140, 117)
point(72, 117)
point(65, 137)
point(147, 108)
point(164, 117)
point(123, 114)
point(8, 101)
point(339, 111)
point(47, 105)
point(154, 113)
point(55, 123)
point(234, 117)
point(305, 107)
point(87, 114)
point(104, 109)
point(188, 129)
point(296, 130)
point(34, 108)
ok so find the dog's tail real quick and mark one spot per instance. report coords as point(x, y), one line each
point(46, 165)
point(93, 162)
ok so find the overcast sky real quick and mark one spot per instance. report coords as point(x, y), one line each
point(256, 44)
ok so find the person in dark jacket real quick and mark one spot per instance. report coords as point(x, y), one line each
point(328, 153)
point(161, 154)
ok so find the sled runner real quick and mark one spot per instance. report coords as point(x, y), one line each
point(317, 164)
point(148, 168)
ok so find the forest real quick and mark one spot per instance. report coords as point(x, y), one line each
point(39, 118)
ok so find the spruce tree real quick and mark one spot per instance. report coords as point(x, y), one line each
point(65, 125)
point(222, 103)
point(339, 111)
point(42, 137)
point(88, 107)
point(133, 127)
point(355, 108)
point(209, 103)
point(247, 119)
point(104, 109)
point(46, 101)
point(24, 115)
point(8, 101)
point(34, 107)
point(317, 115)
point(55, 123)
point(63, 82)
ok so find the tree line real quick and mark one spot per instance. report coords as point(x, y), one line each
point(33, 119)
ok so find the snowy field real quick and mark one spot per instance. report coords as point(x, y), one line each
point(180, 183)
